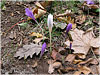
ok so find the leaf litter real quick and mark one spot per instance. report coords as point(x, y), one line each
point(83, 41)
point(28, 50)
point(31, 49)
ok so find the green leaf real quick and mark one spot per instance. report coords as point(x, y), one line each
point(98, 10)
point(23, 24)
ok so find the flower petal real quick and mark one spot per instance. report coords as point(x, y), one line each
point(29, 13)
point(43, 48)
point(50, 21)
point(68, 27)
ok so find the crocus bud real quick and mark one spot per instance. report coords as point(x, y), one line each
point(89, 2)
point(29, 13)
point(70, 45)
point(50, 21)
point(68, 28)
point(43, 49)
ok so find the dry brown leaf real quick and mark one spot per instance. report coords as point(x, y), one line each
point(56, 64)
point(28, 50)
point(12, 35)
point(53, 65)
point(84, 62)
point(77, 61)
point(38, 35)
point(83, 41)
point(37, 40)
point(96, 51)
point(80, 19)
point(82, 56)
point(67, 13)
point(93, 6)
point(68, 69)
point(39, 5)
point(94, 62)
point(38, 11)
point(83, 69)
point(35, 65)
point(56, 55)
point(94, 70)
point(68, 20)
point(70, 57)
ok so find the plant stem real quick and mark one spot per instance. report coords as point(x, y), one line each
point(40, 28)
point(94, 54)
point(50, 41)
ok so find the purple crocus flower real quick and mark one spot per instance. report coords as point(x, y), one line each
point(89, 2)
point(43, 49)
point(68, 28)
point(29, 13)
point(70, 45)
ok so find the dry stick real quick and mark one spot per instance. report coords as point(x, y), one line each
point(94, 54)
point(15, 25)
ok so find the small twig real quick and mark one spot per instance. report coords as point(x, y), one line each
point(15, 25)
point(94, 54)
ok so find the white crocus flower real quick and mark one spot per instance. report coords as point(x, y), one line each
point(50, 22)
point(50, 25)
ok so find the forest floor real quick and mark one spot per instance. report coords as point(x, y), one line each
point(18, 36)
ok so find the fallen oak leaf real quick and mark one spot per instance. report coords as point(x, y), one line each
point(28, 50)
point(82, 41)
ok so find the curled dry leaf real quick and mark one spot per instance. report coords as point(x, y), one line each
point(82, 56)
point(37, 40)
point(77, 61)
point(56, 55)
point(28, 50)
point(96, 51)
point(67, 13)
point(67, 20)
point(70, 57)
point(38, 35)
point(83, 69)
point(83, 41)
point(38, 11)
point(92, 6)
point(53, 65)
point(89, 61)
point(68, 69)
point(80, 19)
